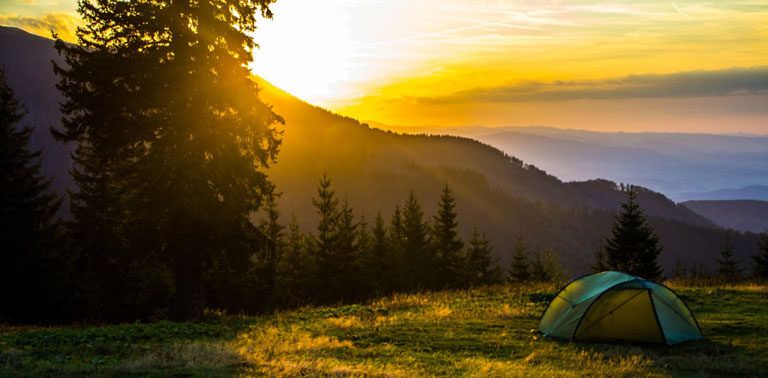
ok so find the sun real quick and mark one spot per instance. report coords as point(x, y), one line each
point(309, 54)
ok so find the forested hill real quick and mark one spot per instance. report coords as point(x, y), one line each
point(374, 170)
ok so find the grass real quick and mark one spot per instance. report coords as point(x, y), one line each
point(482, 332)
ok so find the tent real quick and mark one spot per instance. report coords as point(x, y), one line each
point(615, 306)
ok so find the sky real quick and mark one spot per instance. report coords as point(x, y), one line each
point(683, 66)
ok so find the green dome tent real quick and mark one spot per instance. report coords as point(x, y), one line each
point(615, 306)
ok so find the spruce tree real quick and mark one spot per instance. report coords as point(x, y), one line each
point(482, 266)
point(633, 246)
point(538, 270)
point(519, 270)
point(168, 121)
point(419, 257)
point(446, 242)
point(381, 266)
point(28, 229)
point(362, 279)
point(396, 242)
point(294, 268)
point(728, 266)
point(333, 246)
point(761, 258)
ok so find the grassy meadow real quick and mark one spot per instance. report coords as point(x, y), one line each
point(480, 332)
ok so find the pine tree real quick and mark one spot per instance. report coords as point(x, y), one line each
point(482, 266)
point(169, 123)
point(363, 281)
point(28, 229)
point(728, 266)
point(334, 246)
point(446, 242)
point(294, 268)
point(381, 266)
point(761, 258)
point(633, 246)
point(519, 268)
point(419, 257)
point(538, 271)
point(396, 242)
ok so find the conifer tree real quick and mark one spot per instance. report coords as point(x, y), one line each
point(333, 246)
point(396, 242)
point(482, 266)
point(28, 229)
point(633, 246)
point(381, 264)
point(761, 258)
point(294, 268)
point(446, 242)
point(420, 260)
point(728, 266)
point(538, 271)
point(519, 270)
point(363, 275)
point(167, 119)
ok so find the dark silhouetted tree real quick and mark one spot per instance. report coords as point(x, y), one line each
point(28, 229)
point(381, 266)
point(295, 268)
point(446, 242)
point(519, 269)
point(481, 264)
point(761, 258)
point(418, 256)
point(538, 270)
point(728, 267)
point(169, 124)
point(633, 246)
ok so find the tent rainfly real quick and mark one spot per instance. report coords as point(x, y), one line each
point(615, 306)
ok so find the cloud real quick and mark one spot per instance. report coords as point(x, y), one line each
point(64, 24)
point(732, 81)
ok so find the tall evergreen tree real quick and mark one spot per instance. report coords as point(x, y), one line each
point(728, 266)
point(761, 258)
point(482, 265)
point(396, 242)
point(538, 270)
point(334, 245)
point(519, 270)
point(381, 266)
point(633, 246)
point(446, 242)
point(420, 260)
point(28, 229)
point(294, 268)
point(161, 102)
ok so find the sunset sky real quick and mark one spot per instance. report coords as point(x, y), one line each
point(693, 66)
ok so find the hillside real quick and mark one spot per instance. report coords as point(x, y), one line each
point(375, 169)
point(754, 192)
point(477, 333)
point(742, 215)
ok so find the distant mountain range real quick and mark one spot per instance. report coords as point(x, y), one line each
point(682, 166)
point(754, 192)
point(744, 215)
point(374, 170)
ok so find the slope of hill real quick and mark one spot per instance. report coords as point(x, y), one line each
point(375, 169)
point(483, 332)
point(742, 215)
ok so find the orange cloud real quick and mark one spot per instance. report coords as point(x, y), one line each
point(64, 24)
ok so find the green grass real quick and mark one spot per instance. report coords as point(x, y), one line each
point(481, 332)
